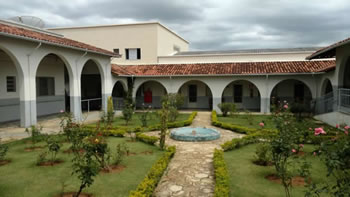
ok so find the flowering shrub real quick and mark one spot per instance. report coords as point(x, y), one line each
point(335, 153)
point(285, 144)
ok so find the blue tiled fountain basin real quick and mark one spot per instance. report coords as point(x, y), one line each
point(194, 134)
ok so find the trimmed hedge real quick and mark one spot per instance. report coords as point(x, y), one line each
point(253, 135)
point(232, 127)
point(248, 139)
point(150, 182)
point(173, 124)
point(147, 139)
point(222, 188)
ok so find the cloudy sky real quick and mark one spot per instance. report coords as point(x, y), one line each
point(206, 24)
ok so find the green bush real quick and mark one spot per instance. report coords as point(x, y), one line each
point(232, 127)
point(147, 139)
point(248, 139)
point(149, 183)
point(227, 108)
point(263, 154)
point(221, 175)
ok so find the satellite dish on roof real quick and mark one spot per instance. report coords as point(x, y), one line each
point(29, 20)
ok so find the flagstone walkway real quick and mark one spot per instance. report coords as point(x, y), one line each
point(190, 172)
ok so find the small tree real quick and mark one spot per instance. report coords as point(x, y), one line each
point(35, 134)
point(284, 145)
point(144, 116)
point(164, 114)
point(110, 112)
point(175, 102)
point(227, 108)
point(53, 146)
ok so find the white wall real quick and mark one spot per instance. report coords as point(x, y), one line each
point(167, 41)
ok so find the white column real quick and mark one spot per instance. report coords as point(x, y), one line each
point(28, 100)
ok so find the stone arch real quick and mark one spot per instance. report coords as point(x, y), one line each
point(244, 93)
point(118, 94)
point(150, 93)
point(326, 87)
point(197, 95)
point(12, 106)
point(91, 85)
point(53, 79)
point(293, 91)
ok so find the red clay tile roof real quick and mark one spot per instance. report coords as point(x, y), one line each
point(329, 51)
point(9, 30)
point(224, 68)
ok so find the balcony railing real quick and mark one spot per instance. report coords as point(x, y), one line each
point(338, 100)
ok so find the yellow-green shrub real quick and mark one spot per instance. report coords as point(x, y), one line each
point(150, 182)
point(221, 175)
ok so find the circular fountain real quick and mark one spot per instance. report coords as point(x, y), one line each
point(194, 134)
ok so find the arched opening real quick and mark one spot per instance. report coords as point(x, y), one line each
point(150, 93)
point(91, 89)
point(294, 92)
point(327, 87)
point(197, 95)
point(9, 89)
point(244, 94)
point(118, 95)
point(52, 86)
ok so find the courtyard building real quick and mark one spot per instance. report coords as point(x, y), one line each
point(44, 72)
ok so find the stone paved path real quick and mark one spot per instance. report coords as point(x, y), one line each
point(190, 172)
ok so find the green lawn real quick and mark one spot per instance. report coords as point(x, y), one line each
point(248, 179)
point(152, 120)
point(252, 121)
point(23, 178)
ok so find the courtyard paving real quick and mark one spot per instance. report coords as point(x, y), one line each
point(190, 172)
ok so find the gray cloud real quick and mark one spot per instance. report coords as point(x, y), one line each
point(207, 24)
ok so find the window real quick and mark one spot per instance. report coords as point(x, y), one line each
point(116, 51)
point(133, 54)
point(238, 93)
point(11, 83)
point(45, 86)
point(192, 93)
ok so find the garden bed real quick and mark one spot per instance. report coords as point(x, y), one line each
point(22, 177)
point(248, 179)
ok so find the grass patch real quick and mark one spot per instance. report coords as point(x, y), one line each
point(248, 179)
point(153, 120)
point(22, 177)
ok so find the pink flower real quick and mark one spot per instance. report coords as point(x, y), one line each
point(285, 106)
point(346, 132)
point(315, 153)
point(337, 126)
point(294, 151)
point(301, 145)
point(347, 127)
point(261, 124)
point(319, 131)
point(62, 111)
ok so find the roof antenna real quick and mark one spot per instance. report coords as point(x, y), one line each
point(29, 21)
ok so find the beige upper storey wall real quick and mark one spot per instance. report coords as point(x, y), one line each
point(152, 38)
point(167, 41)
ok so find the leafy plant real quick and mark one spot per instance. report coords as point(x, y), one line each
point(146, 112)
point(35, 134)
point(284, 145)
point(53, 146)
point(175, 101)
point(121, 151)
point(110, 112)
point(263, 154)
point(335, 153)
point(41, 158)
point(97, 145)
point(128, 112)
point(3, 150)
point(227, 108)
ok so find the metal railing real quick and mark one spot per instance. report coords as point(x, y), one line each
point(338, 100)
point(88, 104)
